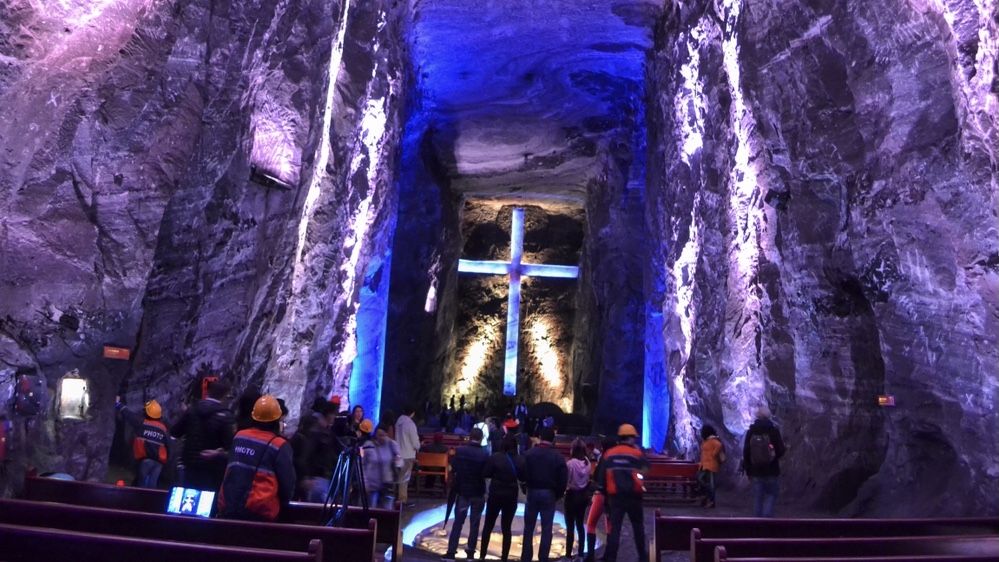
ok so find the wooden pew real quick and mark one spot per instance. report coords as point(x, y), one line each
point(30, 544)
point(95, 494)
point(339, 544)
point(154, 501)
point(389, 530)
point(704, 549)
point(673, 482)
point(673, 533)
point(722, 557)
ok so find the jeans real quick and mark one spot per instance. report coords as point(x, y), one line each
point(476, 503)
point(575, 513)
point(632, 506)
point(507, 506)
point(706, 479)
point(320, 489)
point(149, 473)
point(539, 502)
point(383, 497)
point(765, 496)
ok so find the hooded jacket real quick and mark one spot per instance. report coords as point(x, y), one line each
point(764, 425)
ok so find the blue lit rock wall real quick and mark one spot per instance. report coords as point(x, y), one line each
point(872, 271)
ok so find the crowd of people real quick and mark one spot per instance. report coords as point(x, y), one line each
point(246, 456)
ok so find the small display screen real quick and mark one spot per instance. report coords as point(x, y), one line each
point(188, 501)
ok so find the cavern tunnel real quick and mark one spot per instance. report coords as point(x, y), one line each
point(767, 202)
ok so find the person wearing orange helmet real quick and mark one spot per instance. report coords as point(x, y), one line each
point(260, 477)
point(150, 443)
point(620, 475)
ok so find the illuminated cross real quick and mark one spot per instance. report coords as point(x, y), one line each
point(515, 270)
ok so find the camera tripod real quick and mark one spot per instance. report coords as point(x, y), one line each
point(347, 482)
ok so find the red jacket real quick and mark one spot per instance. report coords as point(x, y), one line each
point(621, 470)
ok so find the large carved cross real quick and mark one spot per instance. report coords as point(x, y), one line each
point(515, 269)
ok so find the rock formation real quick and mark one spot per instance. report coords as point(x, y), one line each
point(770, 202)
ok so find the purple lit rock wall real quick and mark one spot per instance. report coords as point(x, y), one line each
point(127, 133)
point(878, 275)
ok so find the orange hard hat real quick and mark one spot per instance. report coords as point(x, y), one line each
point(153, 410)
point(266, 409)
point(627, 430)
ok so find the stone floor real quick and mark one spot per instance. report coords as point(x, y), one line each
point(423, 527)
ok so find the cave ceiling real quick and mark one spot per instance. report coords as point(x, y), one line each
point(523, 97)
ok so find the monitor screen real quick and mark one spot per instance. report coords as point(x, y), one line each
point(188, 501)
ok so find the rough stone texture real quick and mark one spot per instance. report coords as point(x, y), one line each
point(876, 276)
point(815, 224)
point(128, 133)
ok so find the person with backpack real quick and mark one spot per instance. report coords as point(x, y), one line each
point(260, 477)
point(207, 428)
point(619, 475)
point(761, 456)
point(712, 455)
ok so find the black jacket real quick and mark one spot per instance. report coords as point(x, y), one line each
point(504, 479)
point(763, 425)
point(469, 464)
point(546, 469)
point(207, 425)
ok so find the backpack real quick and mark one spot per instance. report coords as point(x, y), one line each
point(761, 452)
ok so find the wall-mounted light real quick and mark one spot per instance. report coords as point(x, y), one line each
point(267, 179)
point(74, 397)
point(777, 199)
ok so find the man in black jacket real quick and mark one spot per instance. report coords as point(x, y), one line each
point(468, 469)
point(762, 467)
point(207, 428)
point(547, 477)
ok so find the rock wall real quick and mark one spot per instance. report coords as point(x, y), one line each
point(130, 213)
point(825, 190)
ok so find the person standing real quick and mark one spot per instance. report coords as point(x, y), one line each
point(620, 475)
point(597, 505)
point(150, 443)
point(577, 496)
point(207, 429)
point(380, 457)
point(761, 454)
point(260, 478)
point(468, 466)
point(505, 470)
point(547, 477)
point(712, 455)
point(408, 438)
point(316, 455)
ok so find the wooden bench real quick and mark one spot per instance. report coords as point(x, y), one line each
point(672, 482)
point(704, 549)
point(673, 533)
point(389, 529)
point(722, 557)
point(30, 544)
point(154, 501)
point(339, 544)
point(95, 494)
point(432, 464)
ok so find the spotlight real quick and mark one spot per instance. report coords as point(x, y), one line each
point(777, 199)
point(267, 179)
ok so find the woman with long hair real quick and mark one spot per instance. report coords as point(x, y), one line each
point(505, 469)
point(577, 496)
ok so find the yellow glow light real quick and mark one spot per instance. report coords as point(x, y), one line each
point(475, 359)
point(548, 356)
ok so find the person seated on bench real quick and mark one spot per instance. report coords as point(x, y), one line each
point(150, 443)
point(260, 478)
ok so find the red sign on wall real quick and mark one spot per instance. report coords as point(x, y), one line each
point(116, 352)
point(886, 400)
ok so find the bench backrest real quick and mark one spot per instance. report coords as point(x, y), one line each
point(356, 545)
point(680, 470)
point(28, 544)
point(389, 521)
point(722, 556)
point(673, 533)
point(703, 549)
point(95, 494)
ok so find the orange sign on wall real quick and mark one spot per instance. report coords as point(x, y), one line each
point(116, 352)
